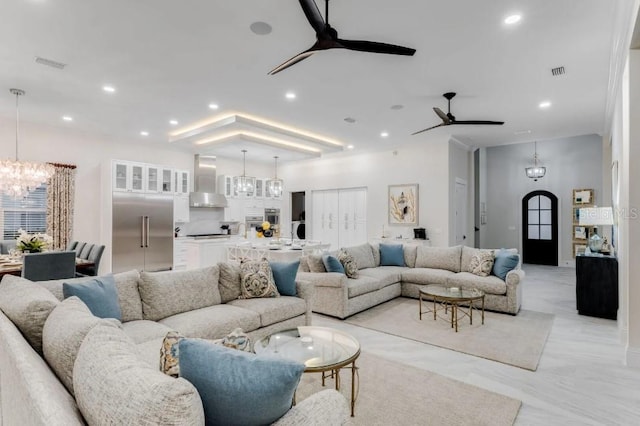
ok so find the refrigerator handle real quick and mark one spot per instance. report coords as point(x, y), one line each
point(146, 244)
point(141, 231)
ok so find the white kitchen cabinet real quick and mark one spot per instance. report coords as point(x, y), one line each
point(339, 217)
point(225, 186)
point(181, 208)
point(166, 180)
point(324, 218)
point(179, 254)
point(260, 188)
point(182, 181)
point(128, 176)
point(203, 253)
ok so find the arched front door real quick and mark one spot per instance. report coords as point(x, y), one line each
point(540, 228)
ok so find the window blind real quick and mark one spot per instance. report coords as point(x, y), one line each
point(29, 213)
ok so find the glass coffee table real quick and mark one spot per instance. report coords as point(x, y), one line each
point(321, 349)
point(449, 299)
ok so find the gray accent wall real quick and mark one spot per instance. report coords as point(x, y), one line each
point(571, 163)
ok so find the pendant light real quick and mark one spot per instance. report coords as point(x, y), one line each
point(536, 172)
point(17, 178)
point(245, 184)
point(275, 184)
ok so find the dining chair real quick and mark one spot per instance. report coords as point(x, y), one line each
point(94, 256)
point(50, 265)
point(84, 253)
point(6, 246)
point(72, 246)
point(78, 248)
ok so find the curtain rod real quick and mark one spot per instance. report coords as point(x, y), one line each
point(66, 166)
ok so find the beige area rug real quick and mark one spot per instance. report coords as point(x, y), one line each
point(396, 394)
point(514, 340)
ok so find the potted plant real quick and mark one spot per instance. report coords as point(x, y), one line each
point(32, 243)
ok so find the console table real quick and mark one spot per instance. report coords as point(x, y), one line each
point(597, 286)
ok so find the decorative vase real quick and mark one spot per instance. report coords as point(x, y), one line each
point(595, 243)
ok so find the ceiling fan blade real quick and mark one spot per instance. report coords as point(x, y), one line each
point(429, 128)
point(499, 123)
point(444, 117)
point(299, 57)
point(313, 15)
point(375, 47)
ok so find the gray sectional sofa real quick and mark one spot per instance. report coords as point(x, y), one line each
point(339, 296)
point(38, 339)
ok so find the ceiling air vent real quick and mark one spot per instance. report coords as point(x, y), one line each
point(50, 63)
point(557, 71)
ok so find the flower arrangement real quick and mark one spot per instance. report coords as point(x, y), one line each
point(32, 243)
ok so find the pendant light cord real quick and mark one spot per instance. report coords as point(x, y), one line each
point(17, 121)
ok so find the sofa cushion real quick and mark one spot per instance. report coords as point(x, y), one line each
point(466, 256)
point(315, 263)
point(126, 286)
point(170, 354)
point(387, 275)
point(304, 264)
point(64, 331)
point(144, 330)
point(332, 264)
point(115, 387)
point(27, 305)
point(256, 279)
point(236, 387)
point(363, 255)
point(363, 285)
point(273, 310)
point(439, 258)
point(284, 274)
point(229, 282)
point(482, 263)
point(348, 263)
point(171, 292)
point(375, 249)
point(410, 252)
point(98, 293)
point(391, 255)
point(426, 276)
point(503, 263)
point(490, 284)
point(213, 322)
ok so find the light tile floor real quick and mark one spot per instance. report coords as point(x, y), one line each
point(581, 378)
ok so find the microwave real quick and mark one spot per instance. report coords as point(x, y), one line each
point(272, 216)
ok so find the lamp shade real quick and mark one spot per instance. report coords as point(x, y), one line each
point(594, 216)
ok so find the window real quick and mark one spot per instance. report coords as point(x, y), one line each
point(540, 223)
point(28, 213)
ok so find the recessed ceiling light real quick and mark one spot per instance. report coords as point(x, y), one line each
point(397, 107)
point(290, 95)
point(260, 28)
point(144, 133)
point(109, 89)
point(67, 118)
point(350, 146)
point(173, 122)
point(384, 134)
point(544, 104)
point(512, 19)
point(522, 132)
point(213, 106)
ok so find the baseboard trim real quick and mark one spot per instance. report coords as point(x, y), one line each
point(633, 357)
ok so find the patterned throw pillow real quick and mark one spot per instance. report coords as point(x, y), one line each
point(481, 263)
point(237, 339)
point(257, 279)
point(169, 364)
point(349, 264)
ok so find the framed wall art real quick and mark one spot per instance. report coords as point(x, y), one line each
point(403, 204)
point(578, 248)
point(583, 196)
point(580, 233)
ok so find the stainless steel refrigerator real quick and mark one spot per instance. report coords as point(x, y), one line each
point(142, 232)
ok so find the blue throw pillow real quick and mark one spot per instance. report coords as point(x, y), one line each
point(391, 255)
point(332, 264)
point(99, 294)
point(503, 263)
point(284, 274)
point(237, 387)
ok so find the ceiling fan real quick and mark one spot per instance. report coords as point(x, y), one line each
point(449, 119)
point(327, 38)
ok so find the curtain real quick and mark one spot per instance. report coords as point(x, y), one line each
point(60, 196)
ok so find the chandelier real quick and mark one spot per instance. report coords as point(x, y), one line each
point(17, 178)
point(535, 172)
point(275, 184)
point(245, 184)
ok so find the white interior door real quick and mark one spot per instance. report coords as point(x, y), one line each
point(461, 213)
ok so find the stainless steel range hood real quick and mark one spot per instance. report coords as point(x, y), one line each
point(205, 194)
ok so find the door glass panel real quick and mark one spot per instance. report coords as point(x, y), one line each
point(121, 176)
point(136, 178)
point(545, 232)
point(545, 202)
point(534, 232)
point(152, 179)
point(534, 203)
point(166, 181)
point(533, 217)
point(545, 217)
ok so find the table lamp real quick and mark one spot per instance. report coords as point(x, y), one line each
point(594, 216)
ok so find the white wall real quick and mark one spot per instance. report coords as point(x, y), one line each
point(425, 163)
point(571, 163)
point(460, 168)
point(88, 152)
